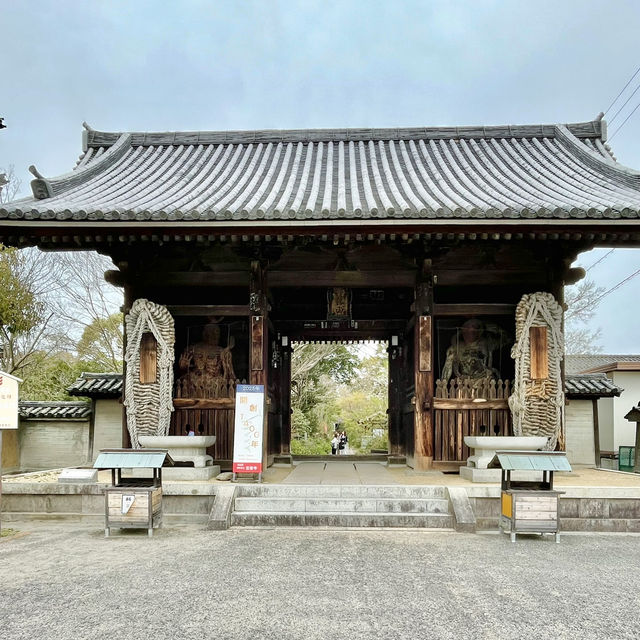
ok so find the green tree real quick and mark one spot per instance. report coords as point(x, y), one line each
point(51, 379)
point(102, 343)
point(317, 370)
point(22, 315)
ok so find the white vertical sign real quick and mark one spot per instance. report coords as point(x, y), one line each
point(247, 440)
point(8, 401)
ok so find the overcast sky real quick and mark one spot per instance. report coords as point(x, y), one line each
point(141, 65)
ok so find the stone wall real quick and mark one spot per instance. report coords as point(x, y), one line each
point(581, 509)
point(107, 425)
point(10, 451)
point(579, 432)
point(51, 444)
point(26, 501)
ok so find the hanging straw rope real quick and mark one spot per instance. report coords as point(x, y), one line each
point(149, 405)
point(537, 406)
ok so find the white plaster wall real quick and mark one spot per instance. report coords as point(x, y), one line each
point(625, 431)
point(107, 426)
point(51, 444)
point(579, 432)
point(605, 409)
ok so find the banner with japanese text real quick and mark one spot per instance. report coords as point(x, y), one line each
point(247, 441)
point(8, 401)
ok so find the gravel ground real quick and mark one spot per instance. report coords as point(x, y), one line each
point(67, 581)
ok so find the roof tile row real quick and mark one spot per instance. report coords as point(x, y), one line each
point(545, 172)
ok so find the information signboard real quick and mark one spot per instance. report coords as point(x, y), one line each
point(8, 401)
point(247, 442)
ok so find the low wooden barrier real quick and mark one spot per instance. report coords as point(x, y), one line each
point(465, 407)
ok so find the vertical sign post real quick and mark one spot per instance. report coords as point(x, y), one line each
point(8, 414)
point(249, 427)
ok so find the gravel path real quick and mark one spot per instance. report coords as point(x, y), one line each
point(64, 581)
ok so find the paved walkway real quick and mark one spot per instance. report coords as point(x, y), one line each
point(354, 472)
point(332, 473)
point(64, 581)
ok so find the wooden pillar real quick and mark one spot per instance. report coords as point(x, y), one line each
point(423, 370)
point(259, 345)
point(128, 302)
point(285, 400)
point(596, 431)
point(394, 410)
point(259, 339)
point(557, 275)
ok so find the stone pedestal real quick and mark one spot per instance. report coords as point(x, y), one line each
point(177, 474)
point(183, 448)
point(485, 447)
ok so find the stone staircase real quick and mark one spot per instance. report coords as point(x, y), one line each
point(341, 506)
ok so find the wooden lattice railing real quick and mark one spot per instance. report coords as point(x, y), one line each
point(464, 407)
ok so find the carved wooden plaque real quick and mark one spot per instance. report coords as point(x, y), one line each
point(148, 358)
point(539, 353)
point(257, 338)
point(424, 342)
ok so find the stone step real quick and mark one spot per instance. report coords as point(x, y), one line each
point(394, 492)
point(346, 520)
point(342, 505)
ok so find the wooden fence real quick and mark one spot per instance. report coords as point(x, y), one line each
point(466, 407)
point(217, 421)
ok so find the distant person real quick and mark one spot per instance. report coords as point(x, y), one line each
point(335, 443)
point(201, 429)
point(189, 430)
point(342, 445)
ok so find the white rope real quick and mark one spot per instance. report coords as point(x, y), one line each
point(537, 406)
point(149, 405)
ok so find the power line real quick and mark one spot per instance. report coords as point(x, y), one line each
point(625, 120)
point(606, 255)
point(623, 89)
point(625, 104)
point(606, 293)
point(592, 303)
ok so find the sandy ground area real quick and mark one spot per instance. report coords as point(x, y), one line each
point(63, 581)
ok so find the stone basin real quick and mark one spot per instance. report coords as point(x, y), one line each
point(485, 447)
point(182, 448)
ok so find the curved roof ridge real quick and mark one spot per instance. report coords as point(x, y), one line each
point(589, 129)
point(596, 160)
point(48, 187)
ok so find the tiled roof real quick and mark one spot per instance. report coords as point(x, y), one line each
point(594, 385)
point(506, 172)
point(31, 410)
point(97, 385)
point(587, 362)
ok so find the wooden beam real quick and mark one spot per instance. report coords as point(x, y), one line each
point(480, 309)
point(466, 403)
point(466, 277)
point(204, 403)
point(208, 309)
point(342, 279)
point(180, 278)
